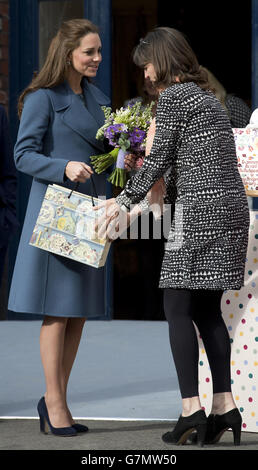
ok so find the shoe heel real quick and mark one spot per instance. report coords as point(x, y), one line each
point(201, 433)
point(237, 433)
point(43, 425)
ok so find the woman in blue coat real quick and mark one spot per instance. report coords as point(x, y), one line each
point(60, 115)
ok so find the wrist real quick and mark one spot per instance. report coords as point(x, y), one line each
point(65, 171)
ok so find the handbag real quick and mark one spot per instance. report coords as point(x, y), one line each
point(66, 226)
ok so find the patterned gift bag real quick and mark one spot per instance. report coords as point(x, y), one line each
point(65, 226)
point(246, 141)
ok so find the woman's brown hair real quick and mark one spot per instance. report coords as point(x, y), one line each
point(54, 70)
point(172, 57)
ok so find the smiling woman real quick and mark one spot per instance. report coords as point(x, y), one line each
point(84, 60)
point(57, 67)
point(54, 146)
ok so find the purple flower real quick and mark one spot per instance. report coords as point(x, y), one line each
point(113, 132)
point(137, 136)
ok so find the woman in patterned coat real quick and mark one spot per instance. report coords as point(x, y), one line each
point(194, 150)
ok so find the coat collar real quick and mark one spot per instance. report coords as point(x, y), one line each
point(83, 120)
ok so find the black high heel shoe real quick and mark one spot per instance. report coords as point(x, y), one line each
point(185, 426)
point(218, 424)
point(45, 424)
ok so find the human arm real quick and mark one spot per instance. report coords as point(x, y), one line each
point(137, 196)
point(29, 148)
point(162, 154)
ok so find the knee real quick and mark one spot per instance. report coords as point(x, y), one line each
point(76, 323)
point(49, 320)
point(177, 304)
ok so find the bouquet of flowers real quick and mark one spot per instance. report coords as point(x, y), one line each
point(126, 130)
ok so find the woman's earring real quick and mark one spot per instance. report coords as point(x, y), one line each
point(68, 62)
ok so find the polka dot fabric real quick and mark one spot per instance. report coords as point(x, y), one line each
point(240, 312)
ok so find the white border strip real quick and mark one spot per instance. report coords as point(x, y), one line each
point(90, 418)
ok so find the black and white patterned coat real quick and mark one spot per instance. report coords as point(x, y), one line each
point(194, 147)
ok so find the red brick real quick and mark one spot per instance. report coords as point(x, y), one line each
point(5, 24)
point(4, 52)
point(4, 82)
point(4, 67)
point(4, 39)
point(4, 9)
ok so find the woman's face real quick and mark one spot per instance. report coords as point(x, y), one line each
point(87, 57)
point(149, 72)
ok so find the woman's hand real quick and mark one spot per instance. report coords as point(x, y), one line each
point(155, 197)
point(130, 160)
point(113, 221)
point(78, 171)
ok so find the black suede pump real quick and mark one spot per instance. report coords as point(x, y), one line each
point(218, 424)
point(185, 426)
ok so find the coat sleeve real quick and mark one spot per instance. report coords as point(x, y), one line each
point(35, 121)
point(169, 120)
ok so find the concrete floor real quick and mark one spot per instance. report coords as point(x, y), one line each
point(123, 370)
point(123, 386)
point(108, 435)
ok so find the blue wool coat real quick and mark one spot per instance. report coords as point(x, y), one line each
point(56, 128)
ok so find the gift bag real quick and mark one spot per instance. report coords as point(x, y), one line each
point(65, 226)
point(246, 141)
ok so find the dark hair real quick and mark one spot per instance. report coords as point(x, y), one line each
point(172, 56)
point(55, 68)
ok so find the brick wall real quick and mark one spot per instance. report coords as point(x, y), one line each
point(4, 42)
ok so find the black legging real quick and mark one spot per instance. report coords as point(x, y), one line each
point(182, 308)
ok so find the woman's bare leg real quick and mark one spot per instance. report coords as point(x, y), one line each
point(52, 337)
point(72, 339)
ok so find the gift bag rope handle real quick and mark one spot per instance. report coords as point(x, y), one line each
point(93, 190)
